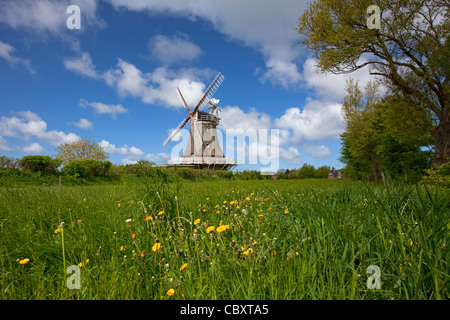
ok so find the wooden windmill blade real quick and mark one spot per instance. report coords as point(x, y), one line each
point(209, 93)
point(198, 141)
point(180, 126)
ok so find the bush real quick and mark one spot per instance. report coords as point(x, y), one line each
point(89, 168)
point(439, 176)
point(44, 164)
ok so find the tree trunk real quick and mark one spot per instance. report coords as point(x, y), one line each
point(441, 136)
point(376, 176)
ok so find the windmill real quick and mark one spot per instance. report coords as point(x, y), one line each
point(203, 149)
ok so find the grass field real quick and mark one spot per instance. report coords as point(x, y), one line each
point(293, 239)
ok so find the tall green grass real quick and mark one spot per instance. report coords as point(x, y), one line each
point(294, 239)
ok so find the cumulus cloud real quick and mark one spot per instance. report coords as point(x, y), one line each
point(266, 26)
point(125, 150)
point(4, 145)
point(82, 65)
point(158, 86)
point(26, 124)
point(7, 53)
point(318, 120)
point(82, 123)
point(331, 86)
point(47, 16)
point(101, 108)
point(158, 158)
point(34, 148)
point(233, 117)
point(316, 151)
point(173, 50)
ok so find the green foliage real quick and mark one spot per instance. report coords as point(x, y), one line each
point(10, 163)
point(88, 168)
point(82, 149)
point(440, 175)
point(44, 164)
point(307, 171)
point(370, 144)
point(408, 54)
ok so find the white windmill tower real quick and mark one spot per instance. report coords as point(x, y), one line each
point(203, 150)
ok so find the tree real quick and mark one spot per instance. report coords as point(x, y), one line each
point(411, 52)
point(80, 150)
point(307, 171)
point(371, 143)
point(363, 129)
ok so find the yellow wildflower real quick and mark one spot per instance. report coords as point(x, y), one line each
point(160, 213)
point(211, 228)
point(122, 248)
point(148, 218)
point(197, 221)
point(225, 202)
point(222, 228)
point(184, 266)
point(80, 264)
point(133, 235)
point(248, 198)
point(260, 215)
point(285, 211)
point(58, 230)
point(118, 204)
point(231, 202)
point(170, 292)
point(156, 246)
point(24, 261)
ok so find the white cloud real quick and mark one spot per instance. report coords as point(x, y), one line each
point(28, 124)
point(236, 118)
point(266, 26)
point(111, 109)
point(4, 145)
point(291, 155)
point(173, 50)
point(6, 52)
point(318, 120)
point(125, 150)
point(158, 158)
point(47, 16)
point(34, 148)
point(82, 65)
point(82, 123)
point(158, 86)
point(329, 85)
point(316, 151)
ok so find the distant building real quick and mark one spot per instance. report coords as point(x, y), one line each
point(334, 174)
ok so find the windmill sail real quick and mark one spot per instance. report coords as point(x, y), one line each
point(174, 132)
point(210, 92)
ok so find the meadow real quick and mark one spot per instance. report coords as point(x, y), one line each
point(269, 239)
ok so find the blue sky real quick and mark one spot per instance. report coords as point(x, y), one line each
point(114, 80)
